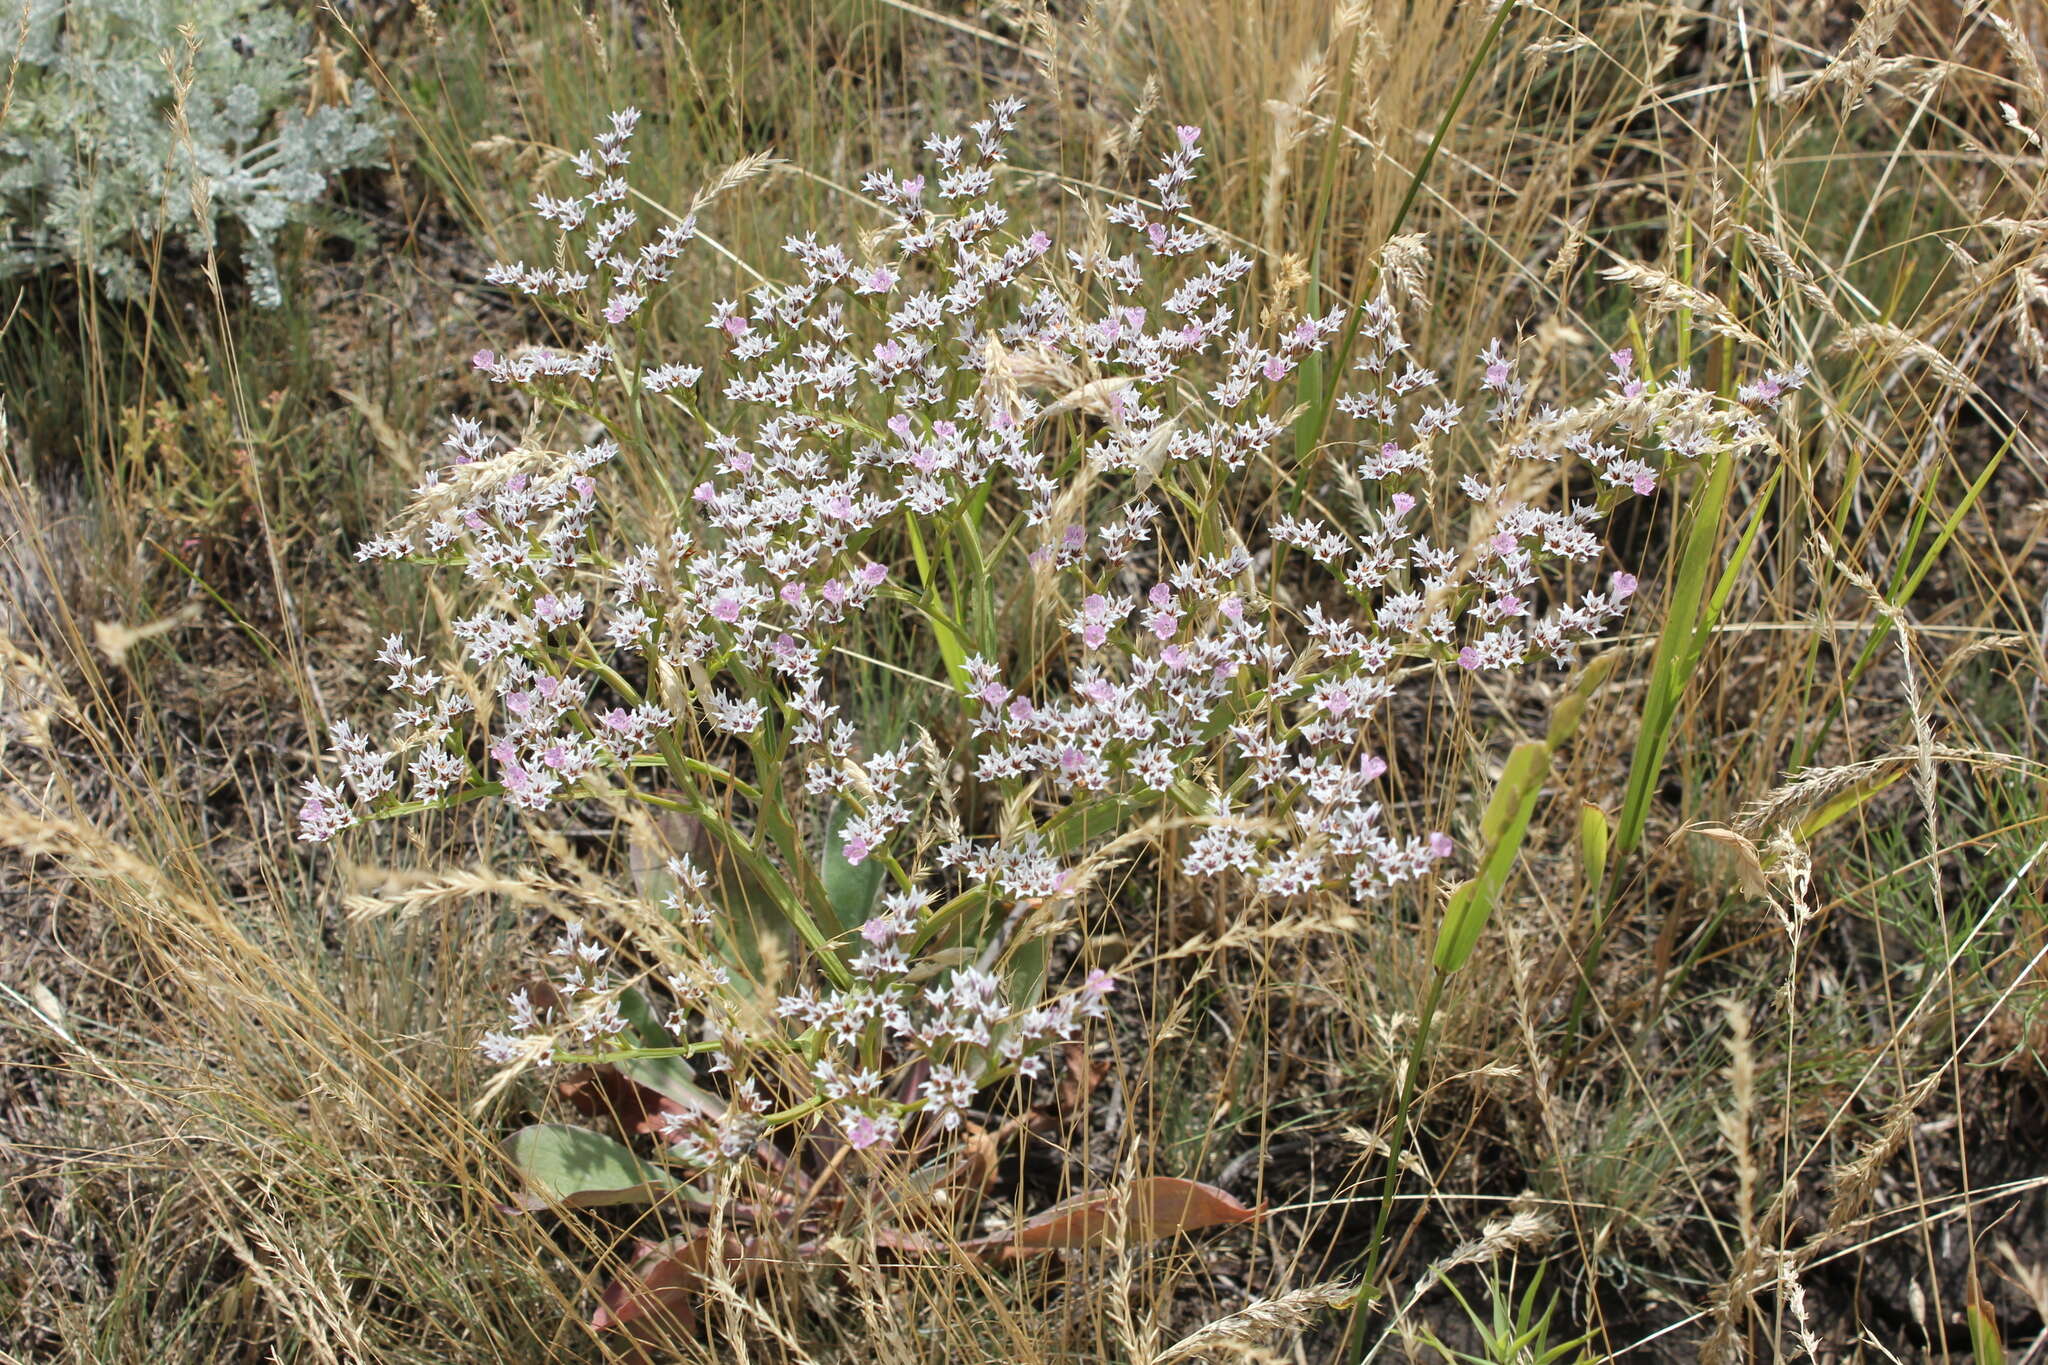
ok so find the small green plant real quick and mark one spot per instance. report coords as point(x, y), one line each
point(130, 123)
point(1513, 1331)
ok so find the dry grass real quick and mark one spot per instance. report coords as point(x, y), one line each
point(1803, 1113)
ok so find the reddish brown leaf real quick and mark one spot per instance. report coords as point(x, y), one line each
point(662, 1290)
point(542, 995)
point(886, 1237)
point(1156, 1207)
point(663, 1283)
point(603, 1092)
point(1078, 1078)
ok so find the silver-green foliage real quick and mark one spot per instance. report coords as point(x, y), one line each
point(94, 166)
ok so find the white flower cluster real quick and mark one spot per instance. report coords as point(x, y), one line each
point(892, 401)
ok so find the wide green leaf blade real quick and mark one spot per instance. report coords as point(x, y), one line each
point(851, 887)
point(569, 1167)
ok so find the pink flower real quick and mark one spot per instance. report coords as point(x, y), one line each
point(1468, 658)
point(1623, 585)
point(865, 1132)
point(1440, 844)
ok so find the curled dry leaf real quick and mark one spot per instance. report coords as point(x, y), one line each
point(666, 1280)
point(1156, 1207)
point(1749, 866)
point(1078, 1078)
point(976, 1167)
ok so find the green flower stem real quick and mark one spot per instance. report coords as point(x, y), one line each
point(1397, 1146)
point(635, 1054)
point(748, 855)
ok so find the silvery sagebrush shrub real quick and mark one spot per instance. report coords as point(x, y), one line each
point(958, 417)
point(92, 167)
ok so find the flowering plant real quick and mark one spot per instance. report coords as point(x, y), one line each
point(1037, 456)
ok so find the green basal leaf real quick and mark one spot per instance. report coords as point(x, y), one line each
point(851, 887)
point(671, 1076)
point(1024, 972)
point(570, 1167)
